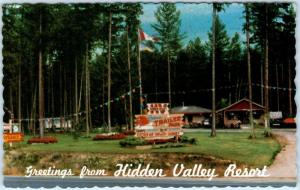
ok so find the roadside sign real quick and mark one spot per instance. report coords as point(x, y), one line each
point(276, 115)
point(158, 123)
point(12, 137)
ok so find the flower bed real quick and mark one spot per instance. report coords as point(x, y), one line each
point(45, 140)
point(109, 137)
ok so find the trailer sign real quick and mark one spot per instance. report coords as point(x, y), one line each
point(158, 123)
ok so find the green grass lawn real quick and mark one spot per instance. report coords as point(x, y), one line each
point(226, 145)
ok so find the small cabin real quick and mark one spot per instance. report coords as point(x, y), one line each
point(238, 114)
point(193, 115)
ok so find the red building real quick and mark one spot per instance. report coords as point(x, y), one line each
point(238, 113)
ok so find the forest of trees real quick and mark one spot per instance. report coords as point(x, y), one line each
point(81, 61)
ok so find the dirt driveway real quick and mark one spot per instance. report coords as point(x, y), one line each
point(284, 165)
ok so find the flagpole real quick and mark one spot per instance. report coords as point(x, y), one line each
point(140, 72)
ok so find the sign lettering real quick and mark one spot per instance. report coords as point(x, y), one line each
point(12, 137)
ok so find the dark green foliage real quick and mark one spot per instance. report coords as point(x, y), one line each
point(168, 28)
point(186, 140)
point(132, 142)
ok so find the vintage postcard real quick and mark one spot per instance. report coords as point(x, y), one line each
point(167, 94)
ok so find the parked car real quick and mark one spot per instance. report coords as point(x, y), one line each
point(233, 123)
point(276, 123)
point(206, 123)
point(289, 122)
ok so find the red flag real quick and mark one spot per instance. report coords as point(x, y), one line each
point(144, 36)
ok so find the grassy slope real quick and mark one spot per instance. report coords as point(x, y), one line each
point(230, 146)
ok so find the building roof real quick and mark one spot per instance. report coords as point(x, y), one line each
point(242, 105)
point(190, 110)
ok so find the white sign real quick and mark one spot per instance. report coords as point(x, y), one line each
point(158, 123)
point(276, 115)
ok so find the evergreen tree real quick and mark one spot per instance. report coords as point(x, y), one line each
point(168, 29)
point(213, 39)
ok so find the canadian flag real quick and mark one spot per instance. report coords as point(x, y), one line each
point(144, 36)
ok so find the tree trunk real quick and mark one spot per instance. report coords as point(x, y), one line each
point(129, 82)
point(277, 85)
point(156, 80)
point(103, 98)
point(169, 80)
point(65, 99)
point(60, 96)
point(11, 105)
point(76, 92)
point(261, 85)
point(41, 84)
point(249, 73)
point(213, 126)
point(52, 92)
point(20, 95)
point(140, 73)
point(229, 94)
point(86, 93)
point(34, 112)
point(89, 96)
point(266, 75)
point(125, 114)
point(109, 73)
point(290, 88)
point(81, 85)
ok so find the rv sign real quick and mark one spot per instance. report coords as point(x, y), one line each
point(158, 123)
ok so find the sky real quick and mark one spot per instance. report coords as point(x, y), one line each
point(196, 19)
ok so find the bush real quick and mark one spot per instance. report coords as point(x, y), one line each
point(187, 140)
point(184, 139)
point(193, 141)
point(132, 141)
point(44, 140)
point(109, 137)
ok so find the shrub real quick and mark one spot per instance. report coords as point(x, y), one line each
point(187, 140)
point(184, 139)
point(193, 141)
point(109, 137)
point(132, 141)
point(44, 140)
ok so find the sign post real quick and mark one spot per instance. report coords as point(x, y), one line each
point(14, 134)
